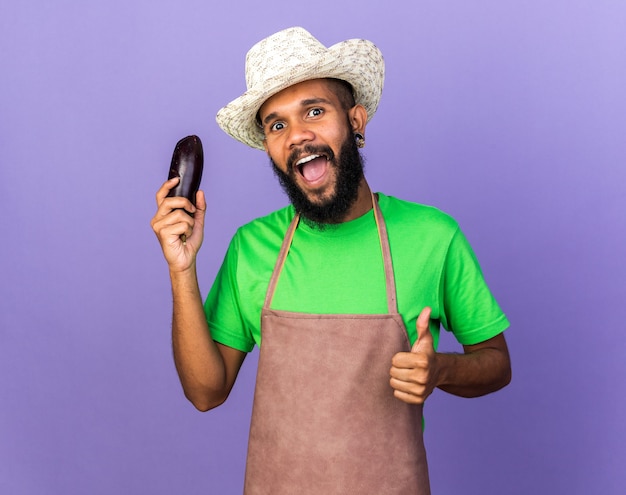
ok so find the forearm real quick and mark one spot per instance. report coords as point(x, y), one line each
point(198, 360)
point(479, 371)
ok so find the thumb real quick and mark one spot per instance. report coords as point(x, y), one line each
point(197, 233)
point(201, 203)
point(424, 337)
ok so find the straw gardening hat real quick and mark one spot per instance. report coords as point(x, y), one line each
point(290, 57)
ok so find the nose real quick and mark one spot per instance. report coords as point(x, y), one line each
point(299, 134)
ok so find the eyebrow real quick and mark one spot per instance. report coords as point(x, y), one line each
point(303, 103)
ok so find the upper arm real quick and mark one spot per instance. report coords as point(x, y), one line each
point(500, 359)
point(498, 343)
point(233, 359)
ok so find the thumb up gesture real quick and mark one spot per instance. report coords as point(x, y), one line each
point(414, 374)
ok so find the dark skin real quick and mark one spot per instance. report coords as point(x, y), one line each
point(481, 369)
point(306, 113)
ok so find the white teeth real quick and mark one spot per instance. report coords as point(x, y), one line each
point(306, 159)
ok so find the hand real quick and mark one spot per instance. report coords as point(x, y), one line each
point(179, 234)
point(414, 374)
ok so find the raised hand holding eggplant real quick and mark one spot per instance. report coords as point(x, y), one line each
point(187, 164)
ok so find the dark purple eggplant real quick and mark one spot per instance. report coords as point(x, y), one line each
point(187, 163)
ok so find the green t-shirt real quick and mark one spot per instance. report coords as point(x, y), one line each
point(339, 270)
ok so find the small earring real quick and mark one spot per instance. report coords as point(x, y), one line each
point(360, 140)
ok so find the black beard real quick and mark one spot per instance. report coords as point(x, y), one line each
point(349, 174)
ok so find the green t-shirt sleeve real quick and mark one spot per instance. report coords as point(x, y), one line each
point(222, 306)
point(469, 309)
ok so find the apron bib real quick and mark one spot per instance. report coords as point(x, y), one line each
point(324, 419)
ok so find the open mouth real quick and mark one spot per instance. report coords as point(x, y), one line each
point(312, 167)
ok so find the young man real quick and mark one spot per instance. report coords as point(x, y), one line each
point(347, 332)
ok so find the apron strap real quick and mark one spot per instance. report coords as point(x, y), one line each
point(390, 283)
point(282, 256)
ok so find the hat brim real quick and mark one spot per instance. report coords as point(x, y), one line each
point(358, 62)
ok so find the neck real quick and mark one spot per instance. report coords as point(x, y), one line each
point(362, 205)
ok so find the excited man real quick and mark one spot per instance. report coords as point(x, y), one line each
point(344, 290)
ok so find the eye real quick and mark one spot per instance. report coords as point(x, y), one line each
point(315, 112)
point(277, 126)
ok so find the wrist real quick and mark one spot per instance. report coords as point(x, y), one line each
point(445, 364)
point(184, 278)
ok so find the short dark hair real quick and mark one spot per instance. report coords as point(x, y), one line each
point(343, 90)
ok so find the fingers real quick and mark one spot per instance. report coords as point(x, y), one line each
point(165, 205)
point(165, 189)
point(411, 385)
point(410, 397)
point(171, 225)
point(178, 225)
point(412, 374)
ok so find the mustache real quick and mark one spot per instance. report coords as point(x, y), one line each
point(309, 149)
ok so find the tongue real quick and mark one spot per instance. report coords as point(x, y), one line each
point(314, 169)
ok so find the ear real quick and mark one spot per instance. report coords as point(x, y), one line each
point(358, 118)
